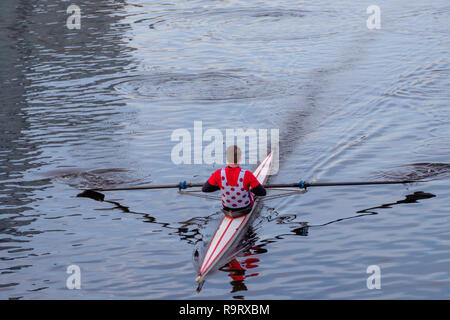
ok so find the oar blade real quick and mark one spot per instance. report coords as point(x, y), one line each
point(92, 195)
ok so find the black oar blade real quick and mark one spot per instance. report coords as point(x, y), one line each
point(92, 195)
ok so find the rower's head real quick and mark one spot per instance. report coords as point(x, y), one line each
point(233, 156)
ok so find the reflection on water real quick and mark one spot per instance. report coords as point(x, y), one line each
point(189, 230)
point(51, 105)
point(410, 198)
point(238, 268)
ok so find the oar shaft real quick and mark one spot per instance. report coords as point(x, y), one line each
point(358, 183)
point(335, 184)
point(184, 185)
point(164, 186)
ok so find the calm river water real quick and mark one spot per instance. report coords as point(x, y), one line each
point(97, 107)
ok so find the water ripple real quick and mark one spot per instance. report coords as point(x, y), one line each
point(204, 86)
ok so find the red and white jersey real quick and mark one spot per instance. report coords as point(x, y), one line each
point(235, 184)
point(235, 196)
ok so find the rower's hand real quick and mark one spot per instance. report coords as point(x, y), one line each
point(258, 190)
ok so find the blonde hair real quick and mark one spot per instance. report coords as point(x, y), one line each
point(233, 154)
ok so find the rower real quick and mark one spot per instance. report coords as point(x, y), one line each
point(235, 184)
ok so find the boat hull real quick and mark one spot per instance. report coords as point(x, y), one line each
point(231, 230)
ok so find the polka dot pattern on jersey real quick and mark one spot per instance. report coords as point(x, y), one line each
point(234, 196)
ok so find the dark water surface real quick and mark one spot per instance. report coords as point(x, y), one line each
point(97, 107)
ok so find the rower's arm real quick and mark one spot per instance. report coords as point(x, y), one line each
point(207, 187)
point(212, 184)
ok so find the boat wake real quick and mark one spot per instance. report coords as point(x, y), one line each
point(417, 171)
point(97, 178)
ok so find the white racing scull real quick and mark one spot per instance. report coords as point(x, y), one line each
point(231, 230)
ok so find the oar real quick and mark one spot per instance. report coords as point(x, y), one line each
point(97, 195)
point(304, 185)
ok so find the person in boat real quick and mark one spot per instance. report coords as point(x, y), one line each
point(236, 184)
